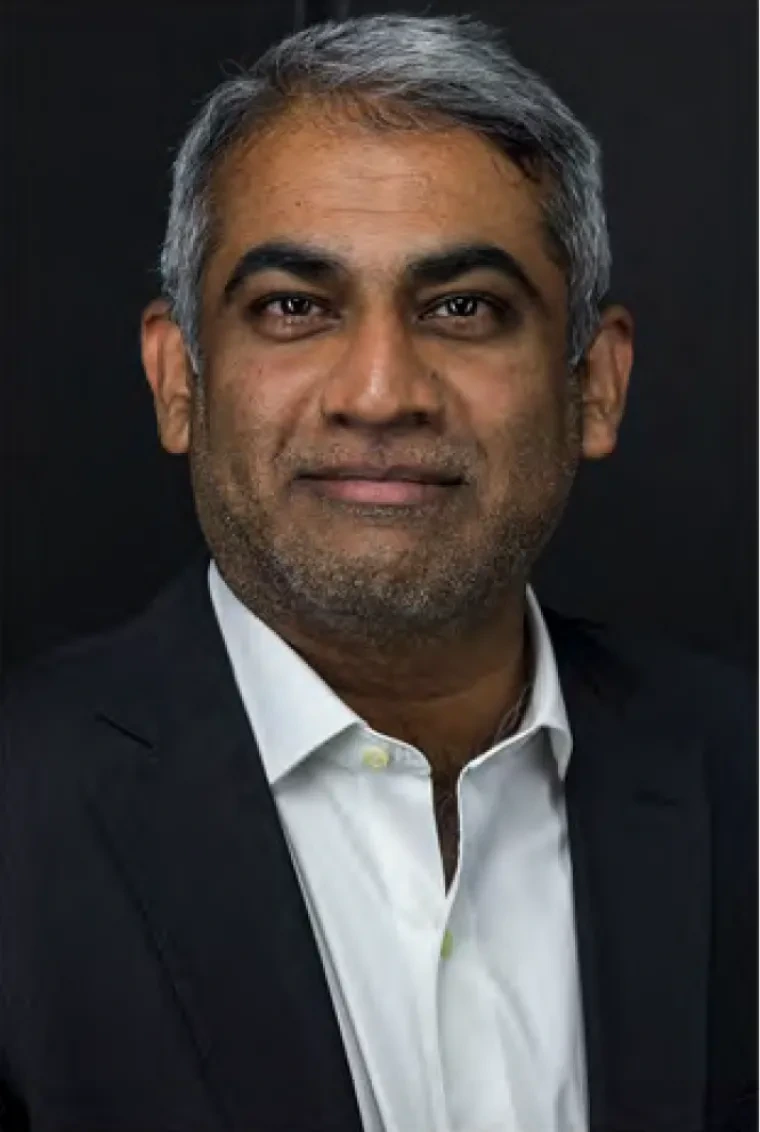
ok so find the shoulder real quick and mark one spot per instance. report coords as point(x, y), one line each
point(64, 680)
point(685, 681)
point(73, 678)
point(678, 691)
point(49, 727)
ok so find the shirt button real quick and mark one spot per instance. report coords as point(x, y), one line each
point(375, 758)
point(447, 946)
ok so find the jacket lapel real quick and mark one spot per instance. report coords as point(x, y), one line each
point(639, 835)
point(184, 807)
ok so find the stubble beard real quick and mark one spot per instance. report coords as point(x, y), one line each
point(442, 587)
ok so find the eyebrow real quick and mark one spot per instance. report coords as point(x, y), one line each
point(316, 265)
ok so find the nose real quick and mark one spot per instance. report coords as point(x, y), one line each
point(380, 380)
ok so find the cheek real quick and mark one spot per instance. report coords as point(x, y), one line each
point(237, 403)
point(515, 394)
point(525, 432)
point(251, 417)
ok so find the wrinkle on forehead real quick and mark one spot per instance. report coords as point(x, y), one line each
point(357, 175)
point(315, 129)
point(375, 194)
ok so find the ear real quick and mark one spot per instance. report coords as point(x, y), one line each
point(604, 381)
point(169, 373)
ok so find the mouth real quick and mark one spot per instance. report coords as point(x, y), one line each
point(390, 487)
point(389, 492)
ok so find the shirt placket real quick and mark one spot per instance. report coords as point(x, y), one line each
point(405, 847)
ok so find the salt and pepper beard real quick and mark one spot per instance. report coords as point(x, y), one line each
point(285, 575)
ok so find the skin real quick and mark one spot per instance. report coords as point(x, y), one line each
point(414, 615)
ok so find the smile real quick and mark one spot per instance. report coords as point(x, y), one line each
point(387, 492)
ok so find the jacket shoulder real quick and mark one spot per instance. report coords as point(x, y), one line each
point(73, 677)
point(60, 682)
point(686, 683)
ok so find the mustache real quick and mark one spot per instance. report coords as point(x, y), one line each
point(413, 473)
point(420, 467)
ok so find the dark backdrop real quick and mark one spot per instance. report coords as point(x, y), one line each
point(96, 517)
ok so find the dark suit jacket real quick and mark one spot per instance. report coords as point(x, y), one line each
point(157, 965)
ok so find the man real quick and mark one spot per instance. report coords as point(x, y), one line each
point(344, 831)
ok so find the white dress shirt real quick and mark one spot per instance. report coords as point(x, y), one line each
point(459, 1011)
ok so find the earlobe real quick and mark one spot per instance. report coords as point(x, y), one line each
point(605, 382)
point(169, 375)
point(599, 435)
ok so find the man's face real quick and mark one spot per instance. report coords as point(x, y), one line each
point(368, 359)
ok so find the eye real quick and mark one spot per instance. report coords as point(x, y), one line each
point(471, 314)
point(462, 306)
point(288, 314)
point(286, 306)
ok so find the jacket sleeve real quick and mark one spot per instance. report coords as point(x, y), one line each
point(733, 786)
point(13, 1115)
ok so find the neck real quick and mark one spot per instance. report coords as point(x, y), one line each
point(446, 701)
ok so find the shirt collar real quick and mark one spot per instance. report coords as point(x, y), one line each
point(293, 711)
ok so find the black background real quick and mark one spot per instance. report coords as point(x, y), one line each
point(96, 517)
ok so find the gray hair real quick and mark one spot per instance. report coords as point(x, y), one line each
point(447, 68)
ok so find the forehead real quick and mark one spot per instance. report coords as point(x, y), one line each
point(375, 197)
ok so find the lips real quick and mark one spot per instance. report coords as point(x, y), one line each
point(393, 492)
point(411, 473)
point(396, 485)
